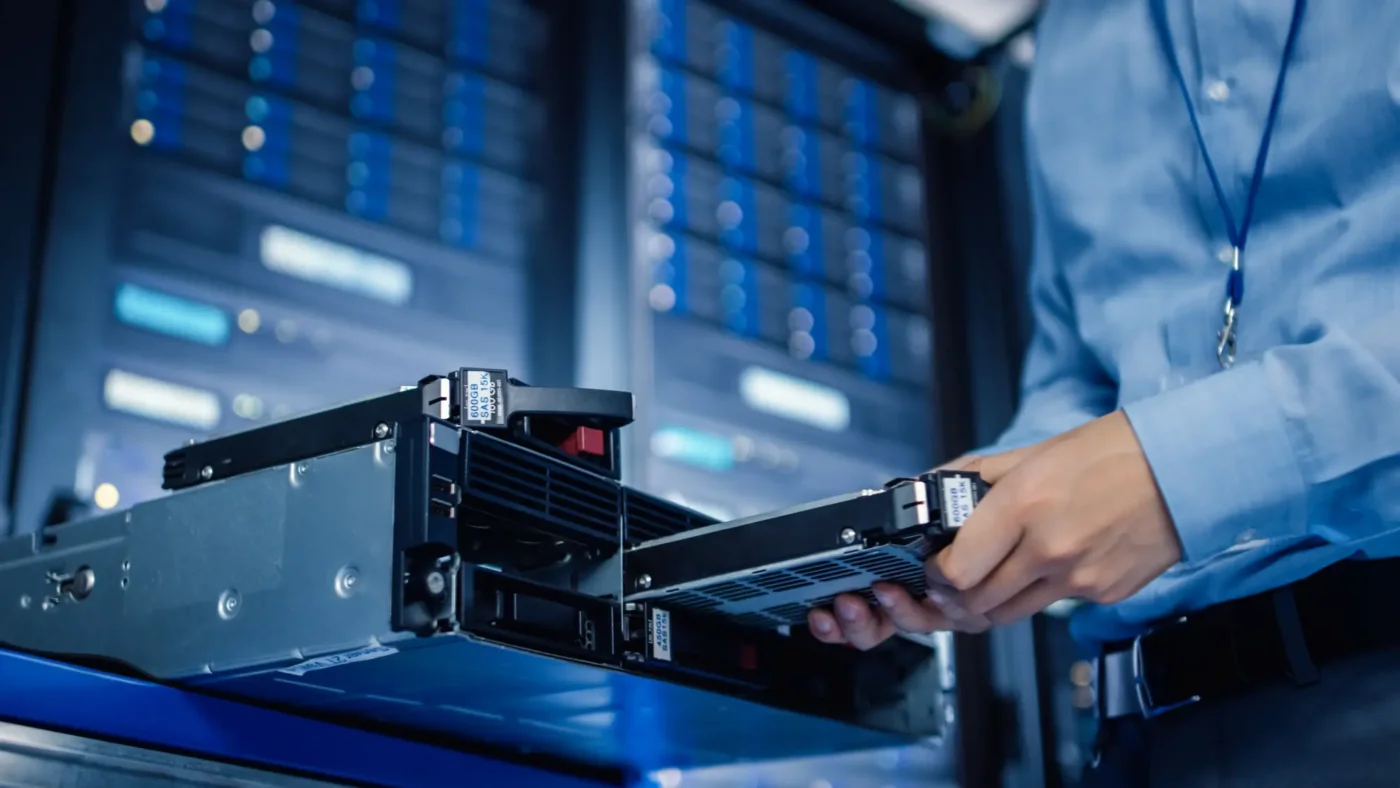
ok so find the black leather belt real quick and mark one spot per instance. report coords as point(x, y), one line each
point(1280, 636)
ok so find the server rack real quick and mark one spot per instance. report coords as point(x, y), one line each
point(262, 208)
point(779, 258)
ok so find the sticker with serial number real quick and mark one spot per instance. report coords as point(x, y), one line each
point(479, 396)
point(336, 660)
point(957, 500)
point(660, 634)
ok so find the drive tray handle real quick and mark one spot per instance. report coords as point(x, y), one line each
point(608, 409)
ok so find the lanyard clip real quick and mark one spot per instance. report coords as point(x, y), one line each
point(1225, 340)
point(1234, 294)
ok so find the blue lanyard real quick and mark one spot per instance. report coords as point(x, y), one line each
point(1239, 233)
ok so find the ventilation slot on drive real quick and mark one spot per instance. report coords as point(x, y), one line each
point(509, 486)
point(652, 518)
point(773, 597)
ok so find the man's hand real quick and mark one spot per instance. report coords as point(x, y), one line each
point(852, 621)
point(1076, 516)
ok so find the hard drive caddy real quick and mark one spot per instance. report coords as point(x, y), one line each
point(770, 570)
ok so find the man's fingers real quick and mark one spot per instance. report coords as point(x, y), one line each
point(988, 536)
point(862, 627)
point(1040, 595)
point(824, 628)
point(947, 603)
point(908, 614)
point(1014, 575)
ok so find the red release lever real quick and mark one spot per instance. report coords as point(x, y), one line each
point(584, 440)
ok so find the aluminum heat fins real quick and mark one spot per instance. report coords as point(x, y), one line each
point(769, 570)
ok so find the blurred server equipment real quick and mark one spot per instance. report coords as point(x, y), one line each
point(266, 207)
point(780, 259)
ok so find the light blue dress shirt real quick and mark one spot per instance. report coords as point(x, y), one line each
point(1290, 461)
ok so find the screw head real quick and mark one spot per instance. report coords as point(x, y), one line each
point(345, 581)
point(381, 430)
point(229, 603)
point(83, 582)
point(644, 582)
point(302, 468)
point(206, 473)
point(848, 536)
point(388, 447)
point(435, 582)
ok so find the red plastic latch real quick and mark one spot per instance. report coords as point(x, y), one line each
point(584, 440)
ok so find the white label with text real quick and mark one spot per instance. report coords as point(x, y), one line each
point(660, 634)
point(957, 501)
point(480, 397)
point(336, 660)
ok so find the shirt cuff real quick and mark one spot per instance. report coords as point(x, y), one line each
point(1220, 452)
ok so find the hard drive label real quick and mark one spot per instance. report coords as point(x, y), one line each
point(481, 397)
point(336, 660)
point(660, 634)
point(957, 500)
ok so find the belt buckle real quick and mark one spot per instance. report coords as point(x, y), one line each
point(1145, 701)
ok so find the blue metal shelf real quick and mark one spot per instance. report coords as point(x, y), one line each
point(46, 694)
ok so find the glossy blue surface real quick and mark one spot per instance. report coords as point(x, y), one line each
point(47, 694)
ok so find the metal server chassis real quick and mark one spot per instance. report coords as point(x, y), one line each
point(291, 586)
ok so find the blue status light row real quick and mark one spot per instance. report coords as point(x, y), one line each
point(275, 42)
point(800, 92)
point(464, 113)
point(160, 103)
point(469, 30)
point(374, 80)
point(268, 144)
point(276, 61)
point(806, 305)
point(275, 54)
point(802, 157)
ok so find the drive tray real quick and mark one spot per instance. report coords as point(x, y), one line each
point(770, 570)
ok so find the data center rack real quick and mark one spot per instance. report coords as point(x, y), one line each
point(247, 192)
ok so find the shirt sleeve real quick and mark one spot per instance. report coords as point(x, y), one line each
point(1063, 385)
point(1304, 442)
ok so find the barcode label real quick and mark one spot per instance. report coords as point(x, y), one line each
point(957, 500)
point(660, 634)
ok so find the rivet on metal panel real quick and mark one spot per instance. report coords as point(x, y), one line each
point(388, 447)
point(848, 536)
point(644, 582)
point(25, 601)
point(206, 473)
point(381, 430)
